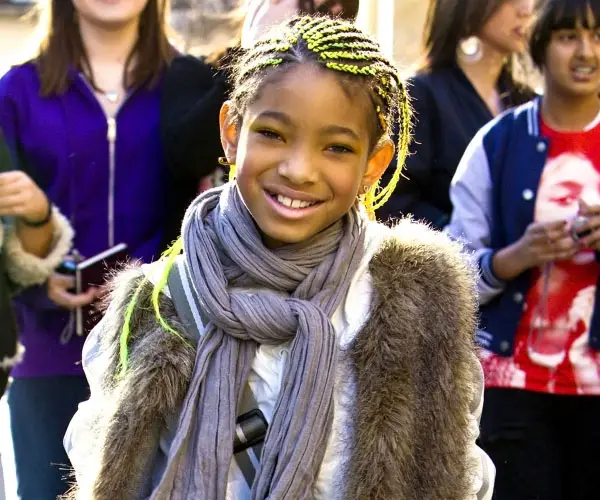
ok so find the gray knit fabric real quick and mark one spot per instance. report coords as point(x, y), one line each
point(224, 251)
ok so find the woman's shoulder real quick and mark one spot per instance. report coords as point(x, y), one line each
point(432, 79)
point(19, 76)
point(187, 66)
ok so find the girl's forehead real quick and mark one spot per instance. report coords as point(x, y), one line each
point(307, 92)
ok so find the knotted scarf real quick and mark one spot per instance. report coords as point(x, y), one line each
point(298, 288)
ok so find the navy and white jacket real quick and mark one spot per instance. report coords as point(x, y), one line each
point(494, 194)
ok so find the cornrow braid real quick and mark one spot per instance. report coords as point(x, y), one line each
point(337, 46)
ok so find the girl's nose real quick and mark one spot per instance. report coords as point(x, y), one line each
point(299, 169)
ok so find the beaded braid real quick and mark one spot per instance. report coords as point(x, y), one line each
point(339, 46)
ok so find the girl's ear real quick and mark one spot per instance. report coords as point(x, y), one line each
point(378, 161)
point(229, 132)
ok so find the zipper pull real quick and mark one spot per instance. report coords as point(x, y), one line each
point(111, 133)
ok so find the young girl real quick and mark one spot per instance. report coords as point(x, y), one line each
point(84, 114)
point(527, 200)
point(290, 318)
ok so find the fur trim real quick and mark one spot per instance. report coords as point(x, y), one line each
point(26, 269)
point(136, 407)
point(414, 367)
point(412, 363)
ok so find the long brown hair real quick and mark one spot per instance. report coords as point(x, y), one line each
point(62, 47)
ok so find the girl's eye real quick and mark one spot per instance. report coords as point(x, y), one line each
point(270, 134)
point(340, 148)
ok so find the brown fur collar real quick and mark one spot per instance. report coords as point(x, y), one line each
point(413, 363)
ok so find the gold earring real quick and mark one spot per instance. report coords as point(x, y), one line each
point(225, 162)
point(365, 189)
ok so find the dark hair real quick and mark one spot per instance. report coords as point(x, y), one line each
point(62, 48)
point(333, 45)
point(556, 15)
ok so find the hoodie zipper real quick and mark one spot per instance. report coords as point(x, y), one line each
point(111, 135)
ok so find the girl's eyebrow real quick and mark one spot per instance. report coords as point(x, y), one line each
point(338, 129)
point(275, 115)
point(329, 129)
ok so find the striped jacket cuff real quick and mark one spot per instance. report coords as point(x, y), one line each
point(487, 271)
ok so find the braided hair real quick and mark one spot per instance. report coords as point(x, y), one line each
point(335, 45)
point(338, 46)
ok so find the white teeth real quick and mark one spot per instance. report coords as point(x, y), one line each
point(288, 202)
point(584, 70)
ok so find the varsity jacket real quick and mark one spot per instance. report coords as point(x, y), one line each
point(494, 193)
point(408, 388)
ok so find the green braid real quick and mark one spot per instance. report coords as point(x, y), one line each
point(169, 257)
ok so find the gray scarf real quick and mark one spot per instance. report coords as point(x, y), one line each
point(224, 251)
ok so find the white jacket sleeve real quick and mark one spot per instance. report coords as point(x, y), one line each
point(79, 440)
point(25, 269)
point(483, 469)
point(471, 196)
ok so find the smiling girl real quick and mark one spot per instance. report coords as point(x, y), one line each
point(527, 200)
point(294, 349)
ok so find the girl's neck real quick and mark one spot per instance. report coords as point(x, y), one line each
point(107, 47)
point(484, 75)
point(569, 113)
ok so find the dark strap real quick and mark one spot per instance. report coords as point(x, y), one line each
point(195, 319)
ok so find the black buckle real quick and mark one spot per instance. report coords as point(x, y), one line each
point(250, 430)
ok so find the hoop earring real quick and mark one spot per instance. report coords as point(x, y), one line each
point(470, 49)
point(225, 162)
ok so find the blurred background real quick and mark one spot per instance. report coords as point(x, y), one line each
point(398, 26)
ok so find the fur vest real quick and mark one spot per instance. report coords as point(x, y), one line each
point(416, 379)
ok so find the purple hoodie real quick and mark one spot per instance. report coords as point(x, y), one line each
point(107, 176)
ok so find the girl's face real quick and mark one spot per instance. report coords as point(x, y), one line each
point(302, 153)
point(572, 61)
point(506, 30)
point(110, 13)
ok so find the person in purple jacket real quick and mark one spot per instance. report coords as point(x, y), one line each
point(84, 114)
